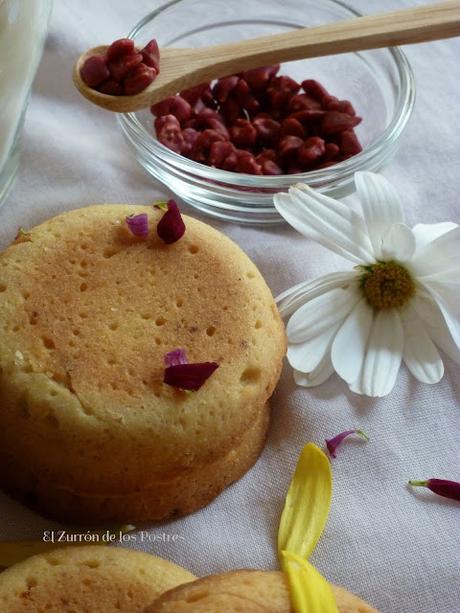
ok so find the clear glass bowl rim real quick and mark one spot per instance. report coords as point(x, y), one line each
point(402, 112)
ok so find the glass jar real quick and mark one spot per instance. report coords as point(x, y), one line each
point(23, 27)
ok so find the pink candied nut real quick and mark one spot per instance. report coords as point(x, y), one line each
point(94, 71)
point(259, 122)
point(123, 70)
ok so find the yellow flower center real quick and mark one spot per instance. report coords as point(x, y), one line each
point(387, 285)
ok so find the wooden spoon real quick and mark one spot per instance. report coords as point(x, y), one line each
point(183, 68)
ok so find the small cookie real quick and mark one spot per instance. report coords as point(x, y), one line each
point(243, 591)
point(88, 429)
point(83, 579)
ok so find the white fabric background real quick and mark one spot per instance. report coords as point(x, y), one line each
point(397, 548)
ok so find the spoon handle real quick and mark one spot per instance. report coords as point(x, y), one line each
point(415, 25)
point(182, 68)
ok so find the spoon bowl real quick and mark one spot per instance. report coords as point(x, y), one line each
point(172, 61)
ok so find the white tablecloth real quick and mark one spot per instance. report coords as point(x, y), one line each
point(397, 548)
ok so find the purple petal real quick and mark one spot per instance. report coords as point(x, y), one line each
point(138, 224)
point(442, 487)
point(176, 357)
point(189, 376)
point(22, 236)
point(333, 443)
point(171, 226)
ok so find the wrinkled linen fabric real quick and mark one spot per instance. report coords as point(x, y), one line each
point(398, 548)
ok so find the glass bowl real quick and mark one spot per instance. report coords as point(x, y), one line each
point(379, 83)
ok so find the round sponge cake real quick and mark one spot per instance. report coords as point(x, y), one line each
point(89, 578)
point(243, 591)
point(88, 429)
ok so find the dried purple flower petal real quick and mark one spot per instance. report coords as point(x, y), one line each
point(333, 443)
point(442, 487)
point(138, 224)
point(189, 376)
point(171, 226)
point(22, 236)
point(176, 357)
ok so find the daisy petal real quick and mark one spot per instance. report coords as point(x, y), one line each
point(447, 298)
point(383, 356)
point(327, 221)
point(293, 298)
point(437, 255)
point(306, 356)
point(381, 207)
point(320, 314)
point(317, 376)
point(398, 243)
point(420, 354)
point(429, 312)
point(427, 232)
point(349, 346)
point(450, 275)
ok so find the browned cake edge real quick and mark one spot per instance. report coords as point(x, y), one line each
point(184, 494)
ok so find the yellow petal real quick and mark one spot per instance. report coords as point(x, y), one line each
point(12, 552)
point(307, 503)
point(309, 590)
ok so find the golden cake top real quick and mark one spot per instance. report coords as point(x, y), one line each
point(87, 578)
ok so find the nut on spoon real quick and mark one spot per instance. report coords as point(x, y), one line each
point(184, 68)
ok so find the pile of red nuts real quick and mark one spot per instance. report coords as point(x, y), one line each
point(123, 69)
point(259, 123)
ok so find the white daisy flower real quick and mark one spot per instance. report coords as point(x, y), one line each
point(400, 302)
